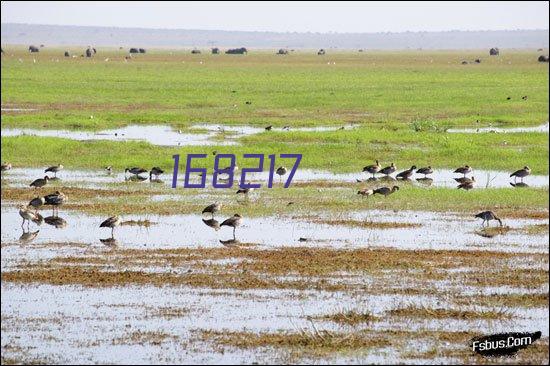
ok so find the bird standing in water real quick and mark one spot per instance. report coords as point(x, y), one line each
point(212, 209)
point(372, 169)
point(54, 169)
point(234, 221)
point(488, 216)
point(111, 222)
point(522, 173)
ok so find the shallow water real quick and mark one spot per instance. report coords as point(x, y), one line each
point(161, 135)
point(438, 231)
point(22, 177)
point(544, 128)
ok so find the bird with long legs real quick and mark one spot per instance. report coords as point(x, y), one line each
point(29, 215)
point(522, 173)
point(54, 169)
point(212, 209)
point(234, 222)
point(488, 216)
point(55, 200)
point(111, 223)
point(373, 169)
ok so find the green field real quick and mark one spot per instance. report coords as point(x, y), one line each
point(401, 102)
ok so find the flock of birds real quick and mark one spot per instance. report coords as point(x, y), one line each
point(30, 212)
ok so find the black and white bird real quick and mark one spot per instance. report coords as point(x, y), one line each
point(156, 171)
point(55, 200)
point(111, 222)
point(280, 172)
point(135, 170)
point(234, 222)
point(54, 169)
point(37, 202)
point(522, 173)
point(366, 192)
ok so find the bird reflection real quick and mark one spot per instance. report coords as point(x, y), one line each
point(214, 224)
point(372, 179)
point(519, 185)
point(387, 178)
point(425, 181)
point(56, 221)
point(155, 180)
point(110, 242)
point(135, 178)
point(28, 236)
point(230, 242)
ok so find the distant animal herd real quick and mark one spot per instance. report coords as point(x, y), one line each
point(90, 51)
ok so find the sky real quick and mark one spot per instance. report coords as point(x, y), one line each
point(280, 16)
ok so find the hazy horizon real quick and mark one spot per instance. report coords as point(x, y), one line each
point(286, 17)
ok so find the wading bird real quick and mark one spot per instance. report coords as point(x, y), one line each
point(280, 172)
point(212, 209)
point(522, 173)
point(488, 216)
point(385, 191)
point(406, 174)
point(5, 166)
point(234, 221)
point(156, 171)
point(366, 192)
point(37, 202)
point(426, 170)
point(135, 170)
point(372, 169)
point(54, 169)
point(111, 222)
point(29, 215)
point(463, 170)
point(388, 170)
point(40, 182)
point(55, 200)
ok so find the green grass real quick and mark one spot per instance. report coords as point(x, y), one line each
point(300, 89)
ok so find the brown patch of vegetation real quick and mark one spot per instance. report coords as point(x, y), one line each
point(415, 311)
point(348, 317)
point(536, 229)
point(366, 224)
point(508, 300)
point(144, 337)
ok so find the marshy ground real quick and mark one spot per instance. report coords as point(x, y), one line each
point(317, 273)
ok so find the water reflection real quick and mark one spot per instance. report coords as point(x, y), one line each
point(135, 178)
point(214, 224)
point(425, 181)
point(230, 242)
point(110, 242)
point(56, 221)
point(28, 236)
point(519, 185)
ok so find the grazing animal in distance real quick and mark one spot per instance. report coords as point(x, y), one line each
point(406, 174)
point(111, 222)
point(385, 191)
point(372, 169)
point(522, 173)
point(40, 182)
point(488, 216)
